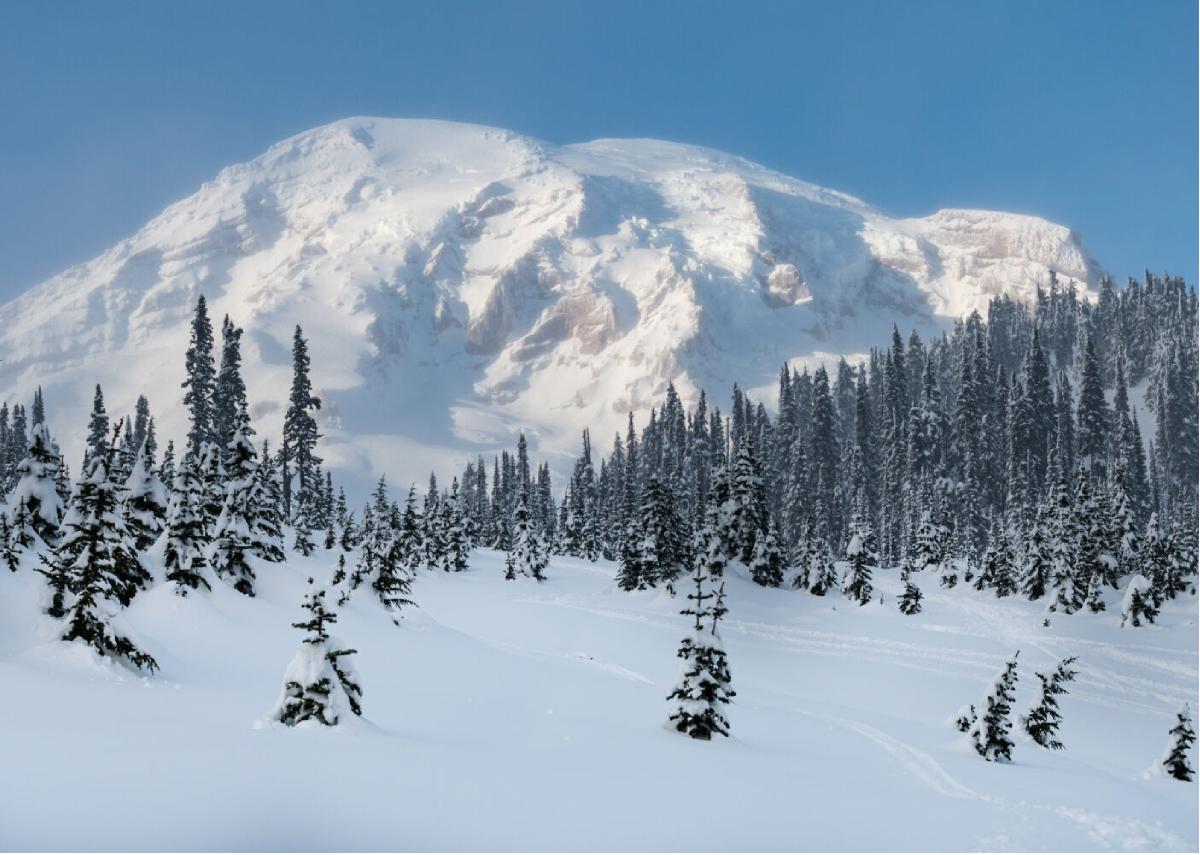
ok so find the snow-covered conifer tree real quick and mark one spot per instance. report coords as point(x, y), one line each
point(527, 554)
point(704, 687)
point(200, 379)
point(1035, 575)
point(860, 560)
point(990, 733)
point(347, 530)
point(268, 509)
point(212, 481)
point(1043, 719)
point(145, 501)
point(767, 565)
point(320, 685)
point(236, 531)
point(801, 556)
point(229, 391)
point(184, 555)
point(911, 597)
point(1138, 606)
point(822, 573)
point(300, 438)
point(34, 507)
point(1176, 761)
point(383, 560)
point(95, 567)
point(97, 438)
point(455, 545)
point(410, 537)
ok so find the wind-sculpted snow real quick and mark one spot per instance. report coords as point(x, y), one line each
point(518, 716)
point(458, 282)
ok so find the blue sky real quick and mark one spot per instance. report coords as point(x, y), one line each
point(1082, 112)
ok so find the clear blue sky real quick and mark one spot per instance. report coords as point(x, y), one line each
point(1082, 112)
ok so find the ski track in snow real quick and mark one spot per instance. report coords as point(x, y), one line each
point(917, 763)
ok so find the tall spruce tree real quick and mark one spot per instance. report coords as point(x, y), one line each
point(97, 437)
point(300, 438)
point(229, 391)
point(199, 380)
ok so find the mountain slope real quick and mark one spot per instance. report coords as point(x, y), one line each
point(458, 282)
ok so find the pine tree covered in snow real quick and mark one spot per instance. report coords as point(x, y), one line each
point(268, 509)
point(1176, 761)
point(320, 685)
point(1043, 720)
point(432, 535)
point(34, 507)
point(455, 545)
point(410, 541)
point(767, 565)
point(93, 570)
point(653, 551)
point(1036, 568)
point(145, 501)
point(385, 561)
point(347, 531)
point(822, 573)
point(299, 449)
point(860, 561)
point(704, 687)
point(97, 437)
point(199, 380)
point(527, 554)
point(989, 734)
point(184, 555)
point(211, 473)
point(229, 390)
point(911, 597)
point(1138, 606)
point(236, 532)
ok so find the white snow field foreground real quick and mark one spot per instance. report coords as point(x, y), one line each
point(518, 716)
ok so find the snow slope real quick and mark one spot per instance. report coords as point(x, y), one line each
point(459, 282)
point(516, 716)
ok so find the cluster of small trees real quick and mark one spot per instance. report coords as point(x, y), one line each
point(203, 516)
point(989, 726)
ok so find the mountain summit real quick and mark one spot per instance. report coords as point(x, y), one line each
point(459, 282)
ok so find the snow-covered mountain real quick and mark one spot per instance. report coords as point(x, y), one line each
point(459, 282)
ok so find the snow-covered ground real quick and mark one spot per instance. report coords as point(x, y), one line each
point(512, 715)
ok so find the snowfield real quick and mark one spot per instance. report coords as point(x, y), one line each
point(518, 716)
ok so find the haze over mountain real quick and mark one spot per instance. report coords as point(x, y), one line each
point(458, 283)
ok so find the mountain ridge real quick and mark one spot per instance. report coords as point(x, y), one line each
point(460, 282)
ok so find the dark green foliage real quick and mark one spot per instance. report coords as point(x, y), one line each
point(1043, 719)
